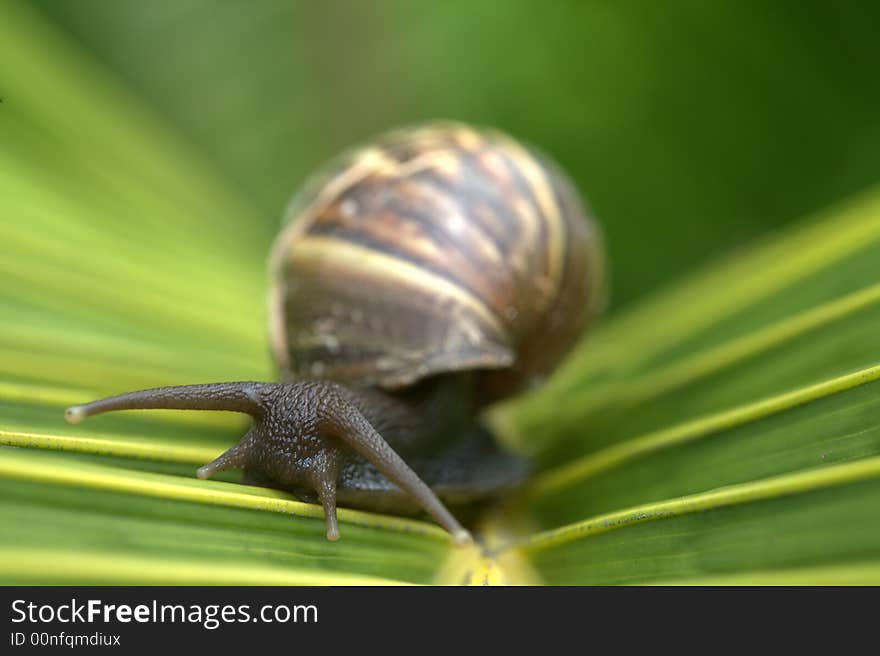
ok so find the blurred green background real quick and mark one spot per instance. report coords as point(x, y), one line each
point(691, 127)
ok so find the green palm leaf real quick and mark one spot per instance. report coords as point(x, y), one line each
point(725, 430)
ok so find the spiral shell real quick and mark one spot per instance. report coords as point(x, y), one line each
point(435, 249)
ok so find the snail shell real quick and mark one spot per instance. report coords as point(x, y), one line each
point(435, 249)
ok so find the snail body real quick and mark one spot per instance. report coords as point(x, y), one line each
point(415, 281)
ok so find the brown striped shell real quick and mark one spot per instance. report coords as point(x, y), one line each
point(435, 249)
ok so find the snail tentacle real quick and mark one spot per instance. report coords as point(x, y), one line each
point(324, 478)
point(236, 457)
point(347, 424)
point(231, 397)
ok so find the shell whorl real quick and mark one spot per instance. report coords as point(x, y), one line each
point(434, 249)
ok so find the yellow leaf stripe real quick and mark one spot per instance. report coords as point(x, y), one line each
point(196, 455)
point(41, 394)
point(63, 566)
point(614, 456)
point(864, 573)
point(24, 466)
point(702, 364)
point(769, 488)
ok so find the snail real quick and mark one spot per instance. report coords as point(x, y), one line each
point(415, 281)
